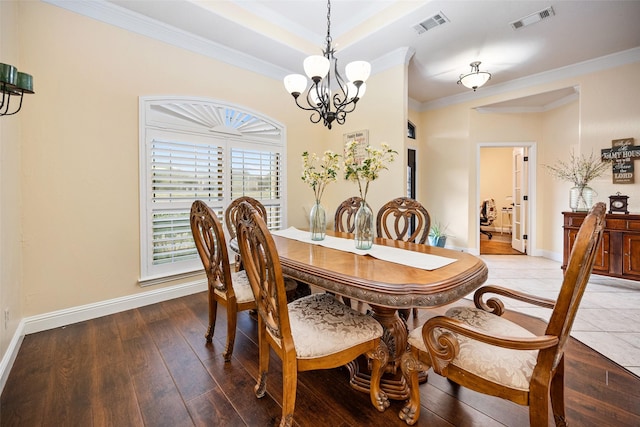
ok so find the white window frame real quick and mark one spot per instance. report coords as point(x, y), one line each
point(201, 121)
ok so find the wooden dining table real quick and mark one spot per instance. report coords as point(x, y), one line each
point(385, 286)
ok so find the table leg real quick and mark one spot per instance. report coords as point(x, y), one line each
point(395, 336)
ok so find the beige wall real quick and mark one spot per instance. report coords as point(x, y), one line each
point(10, 187)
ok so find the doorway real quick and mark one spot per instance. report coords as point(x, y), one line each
point(506, 174)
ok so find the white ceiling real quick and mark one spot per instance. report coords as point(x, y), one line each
point(281, 33)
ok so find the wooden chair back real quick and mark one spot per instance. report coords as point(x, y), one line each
point(264, 273)
point(345, 217)
point(208, 236)
point(576, 277)
point(231, 212)
point(397, 217)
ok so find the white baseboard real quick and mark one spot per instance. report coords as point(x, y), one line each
point(10, 355)
point(56, 319)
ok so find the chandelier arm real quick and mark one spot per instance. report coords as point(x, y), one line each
point(6, 113)
point(2, 89)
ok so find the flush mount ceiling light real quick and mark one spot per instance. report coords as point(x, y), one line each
point(475, 78)
point(328, 100)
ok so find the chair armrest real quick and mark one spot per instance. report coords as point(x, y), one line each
point(495, 306)
point(444, 347)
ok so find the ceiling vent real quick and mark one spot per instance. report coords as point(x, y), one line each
point(431, 22)
point(533, 18)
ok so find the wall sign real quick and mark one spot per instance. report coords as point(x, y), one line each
point(622, 154)
point(362, 138)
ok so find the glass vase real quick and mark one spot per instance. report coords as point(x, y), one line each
point(364, 230)
point(581, 198)
point(318, 222)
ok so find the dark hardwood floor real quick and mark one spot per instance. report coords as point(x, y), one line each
point(151, 366)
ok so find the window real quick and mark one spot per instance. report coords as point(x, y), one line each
point(191, 149)
point(411, 130)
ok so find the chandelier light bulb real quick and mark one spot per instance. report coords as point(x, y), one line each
point(316, 67)
point(295, 84)
point(358, 71)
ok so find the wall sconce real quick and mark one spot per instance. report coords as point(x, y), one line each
point(13, 84)
point(475, 78)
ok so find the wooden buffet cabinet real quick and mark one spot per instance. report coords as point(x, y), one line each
point(619, 251)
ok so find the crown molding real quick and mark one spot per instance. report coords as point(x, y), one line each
point(115, 15)
point(400, 56)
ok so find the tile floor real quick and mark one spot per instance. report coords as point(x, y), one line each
point(608, 318)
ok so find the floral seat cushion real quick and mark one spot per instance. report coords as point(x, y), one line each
point(321, 325)
point(511, 368)
point(241, 287)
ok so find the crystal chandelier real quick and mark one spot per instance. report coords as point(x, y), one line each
point(475, 78)
point(328, 101)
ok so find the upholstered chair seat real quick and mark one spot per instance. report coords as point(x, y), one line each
point(241, 287)
point(322, 315)
point(511, 368)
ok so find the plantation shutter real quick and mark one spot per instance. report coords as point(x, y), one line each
point(181, 172)
point(257, 173)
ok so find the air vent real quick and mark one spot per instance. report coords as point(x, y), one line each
point(533, 18)
point(430, 23)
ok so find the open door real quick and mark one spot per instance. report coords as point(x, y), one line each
point(520, 199)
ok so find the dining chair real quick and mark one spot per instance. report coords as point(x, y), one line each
point(313, 332)
point(230, 220)
point(405, 219)
point(230, 289)
point(477, 348)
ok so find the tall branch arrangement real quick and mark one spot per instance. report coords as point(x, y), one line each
point(367, 169)
point(319, 172)
point(579, 170)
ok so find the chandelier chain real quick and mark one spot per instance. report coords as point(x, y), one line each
point(329, 40)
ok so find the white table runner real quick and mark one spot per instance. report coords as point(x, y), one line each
point(386, 253)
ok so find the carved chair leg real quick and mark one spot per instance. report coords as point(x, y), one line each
point(411, 367)
point(290, 383)
point(557, 395)
point(232, 318)
point(379, 358)
point(213, 312)
point(263, 360)
point(539, 402)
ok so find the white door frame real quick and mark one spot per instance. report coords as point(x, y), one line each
point(531, 193)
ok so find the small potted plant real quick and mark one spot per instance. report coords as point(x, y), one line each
point(437, 234)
